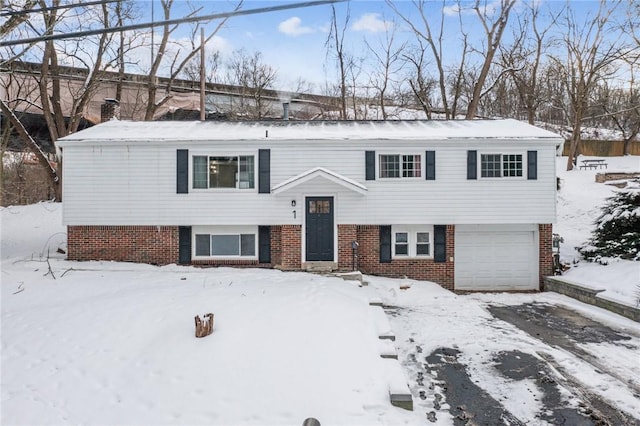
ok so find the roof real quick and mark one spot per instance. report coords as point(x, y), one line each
point(116, 130)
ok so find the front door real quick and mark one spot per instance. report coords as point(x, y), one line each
point(319, 229)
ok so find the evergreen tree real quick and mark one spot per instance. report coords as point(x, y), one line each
point(617, 232)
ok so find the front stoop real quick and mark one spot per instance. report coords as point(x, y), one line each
point(322, 267)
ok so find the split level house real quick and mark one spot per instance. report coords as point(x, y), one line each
point(466, 204)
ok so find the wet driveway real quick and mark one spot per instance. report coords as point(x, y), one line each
point(447, 382)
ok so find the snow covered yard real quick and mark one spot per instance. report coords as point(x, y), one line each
point(578, 206)
point(113, 343)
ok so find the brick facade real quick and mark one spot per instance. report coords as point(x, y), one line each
point(545, 232)
point(368, 237)
point(157, 245)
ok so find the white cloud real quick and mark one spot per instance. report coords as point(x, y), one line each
point(488, 9)
point(371, 22)
point(293, 27)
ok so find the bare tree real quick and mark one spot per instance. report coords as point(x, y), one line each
point(523, 58)
point(435, 43)
point(421, 85)
point(191, 70)
point(493, 30)
point(164, 57)
point(254, 79)
point(387, 64)
point(335, 47)
point(591, 49)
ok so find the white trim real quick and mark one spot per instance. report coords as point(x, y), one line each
point(322, 173)
point(412, 239)
point(223, 230)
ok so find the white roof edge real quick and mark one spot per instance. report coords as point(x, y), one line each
point(266, 131)
point(319, 172)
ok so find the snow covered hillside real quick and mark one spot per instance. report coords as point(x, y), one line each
point(578, 206)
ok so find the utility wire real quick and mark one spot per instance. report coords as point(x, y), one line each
point(167, 22)
point(63, 6)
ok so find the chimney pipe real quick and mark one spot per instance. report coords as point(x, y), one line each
point(109, 109)
point(285, 111)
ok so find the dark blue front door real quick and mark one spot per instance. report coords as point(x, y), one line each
point(319, 228)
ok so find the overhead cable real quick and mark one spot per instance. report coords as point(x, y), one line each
point(62, 36)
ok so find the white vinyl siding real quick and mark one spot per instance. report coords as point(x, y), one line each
point(143, 190)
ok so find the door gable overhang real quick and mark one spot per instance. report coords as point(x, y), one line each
point(321, 173)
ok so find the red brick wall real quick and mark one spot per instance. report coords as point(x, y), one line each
point(146, 244)
point(291, 246)
point(368, 237)
point(546, 251)
point(347, 234)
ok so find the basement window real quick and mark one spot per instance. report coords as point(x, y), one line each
point(225, 245)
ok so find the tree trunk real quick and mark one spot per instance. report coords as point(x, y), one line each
point(54, 178)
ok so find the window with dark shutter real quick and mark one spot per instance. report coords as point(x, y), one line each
point(264, 171)
point(182, 171)
point(370, 165)
point(385, 244)
point(472, 165)
point(532, 165)
point(264, 244)
point(439, 243)
point(430, 158)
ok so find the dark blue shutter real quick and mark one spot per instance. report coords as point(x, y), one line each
point(439, 243)
point(385, 244)
point(264, 171)
point(370, 165)
point(264, 244)
point(430, 173)
point(184, 244)
point(532, 165)
point(182, 171)
point(472, 164)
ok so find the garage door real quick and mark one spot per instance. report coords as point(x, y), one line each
point(496, 258)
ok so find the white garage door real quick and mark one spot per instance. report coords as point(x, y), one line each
point(496, 257)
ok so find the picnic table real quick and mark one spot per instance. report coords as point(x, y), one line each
point(596, 163)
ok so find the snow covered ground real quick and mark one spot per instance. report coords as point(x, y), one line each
point(579, 201)
point(112, 343)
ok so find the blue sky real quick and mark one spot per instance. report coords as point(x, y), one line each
point(293, 41)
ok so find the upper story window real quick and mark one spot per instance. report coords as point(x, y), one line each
point(397, 166)
point(224, 171)
point(501, 165)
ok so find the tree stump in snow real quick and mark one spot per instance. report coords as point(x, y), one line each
point(204, 327)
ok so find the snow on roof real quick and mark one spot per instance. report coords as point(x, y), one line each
point(115, 130)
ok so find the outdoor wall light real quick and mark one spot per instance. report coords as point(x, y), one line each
point(293, 203)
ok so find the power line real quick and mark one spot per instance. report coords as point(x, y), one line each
point(63, 6)
point(168, 22)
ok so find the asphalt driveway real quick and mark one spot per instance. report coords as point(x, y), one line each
point(446, 387)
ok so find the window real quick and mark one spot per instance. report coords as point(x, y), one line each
point(402, 244)
point(226, 245)
point(501, 165)
point(224, 172)
point(396, 166)
point(423, 247)
point(412, 241)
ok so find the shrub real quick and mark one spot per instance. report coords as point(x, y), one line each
point(617, 231)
